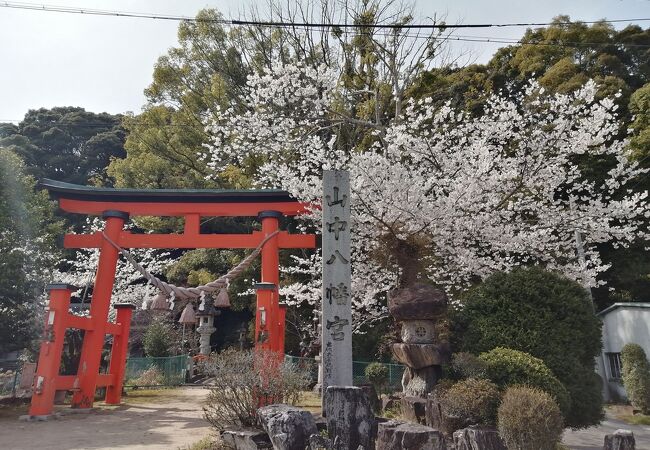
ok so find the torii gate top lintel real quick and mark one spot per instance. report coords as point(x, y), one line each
point(171, 202)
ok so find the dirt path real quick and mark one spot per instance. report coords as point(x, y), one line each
point(593, 438)
point(168, 421)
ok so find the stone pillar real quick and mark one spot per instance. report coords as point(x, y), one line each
point(420, 309)
point(350, 420)
point(336, 319)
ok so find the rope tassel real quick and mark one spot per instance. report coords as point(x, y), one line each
point(222, 300)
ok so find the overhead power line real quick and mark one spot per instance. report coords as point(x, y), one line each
point(283, 24)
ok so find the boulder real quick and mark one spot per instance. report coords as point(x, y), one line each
point(350, 420)
point(396, 435)
point(414, 409)
point(419, 301)
point(373, 398)
point(418, 356)
point(245, 439)
point(475, 438)
point(321, 423)
point(390, 401)
point(436, 417)
point(318, 442)
point(288, 427)
point(620, 440)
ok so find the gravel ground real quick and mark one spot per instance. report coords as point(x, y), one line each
point(166, 421)
point(593, 438)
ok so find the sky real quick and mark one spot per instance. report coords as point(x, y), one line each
point(103, 64)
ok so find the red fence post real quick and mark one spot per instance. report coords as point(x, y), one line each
point(91, 352)
point(49, 357)
point(119, 352)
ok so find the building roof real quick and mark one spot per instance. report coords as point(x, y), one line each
point(623, 305)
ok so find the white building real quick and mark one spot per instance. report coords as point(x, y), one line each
point(623, 323)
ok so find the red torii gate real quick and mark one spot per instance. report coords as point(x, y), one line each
point(116, 206)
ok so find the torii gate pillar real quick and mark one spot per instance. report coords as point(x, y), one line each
point(91, 351)
point(271, 275)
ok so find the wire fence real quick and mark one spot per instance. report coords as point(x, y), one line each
point(164, 371)
point(395, 371)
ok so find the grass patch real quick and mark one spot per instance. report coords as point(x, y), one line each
point(13, 411)
point(625, 413)
point(310, 401)
point(151, 396)
point(207, 443)
point(637, 419)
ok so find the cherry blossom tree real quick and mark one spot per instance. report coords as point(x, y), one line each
point(439, 195)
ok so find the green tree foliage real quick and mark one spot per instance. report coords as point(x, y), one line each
point(507, 367)
point(636, 376)
point(640, 108)
point(67, 143)
point(546, 315)
point(27, 228)
point(377, 374)
point(203, 74)
point(158, 339)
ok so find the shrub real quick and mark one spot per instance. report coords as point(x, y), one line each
point(507, 367)
point(152, 376)
point(636, 376)
point(472, 401)
point(377, 374)
point(544, 314)
point(529, 419)
point(466, 365)
point(241, 378)
point(158, 339)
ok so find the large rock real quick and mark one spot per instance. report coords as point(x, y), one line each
point(418, 356)
point(395, 435)
point(413, 409)
point(318, 442)
point(620, 440)
point(350, 420)
point(245, 439)
point(475, 438)
point(419, 301)
point(371, 393)
point(436, 417)
point(390, 402)
point(288, 427)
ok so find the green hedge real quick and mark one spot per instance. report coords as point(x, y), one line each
point(546, 315)
point(507, 367)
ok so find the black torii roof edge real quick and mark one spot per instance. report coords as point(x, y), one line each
point(60, 189)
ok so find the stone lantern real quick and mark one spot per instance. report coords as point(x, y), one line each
point(421, 309)
point(206, 327)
